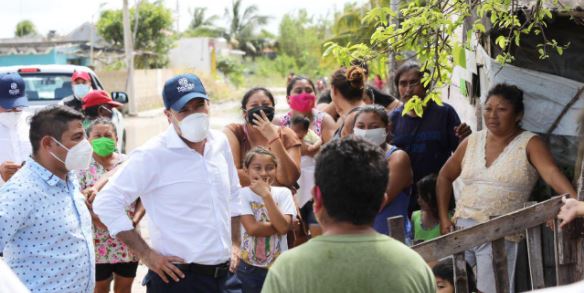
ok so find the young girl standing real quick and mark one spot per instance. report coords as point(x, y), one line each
point(266, 217)
point(425, 221)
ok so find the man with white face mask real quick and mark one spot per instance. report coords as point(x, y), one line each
point(46, 227)
point(189, 186)
point(14, 143)
point(81, 84)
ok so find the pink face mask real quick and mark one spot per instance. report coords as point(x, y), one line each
point(302, 103)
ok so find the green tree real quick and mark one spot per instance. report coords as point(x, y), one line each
point(232, 69)
point(203, 26)
point(154, 36)
point(348, 27)
point(428, 32)
point(243, 23)
point(25, 28)
point(301, 38)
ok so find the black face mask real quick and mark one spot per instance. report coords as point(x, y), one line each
point(268, 110)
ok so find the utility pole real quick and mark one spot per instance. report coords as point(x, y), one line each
point(92, 32)
point(177, 17)
point(129, 50)
point(91, 42)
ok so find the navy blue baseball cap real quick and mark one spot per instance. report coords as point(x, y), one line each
point(12, 92)
point(179, 90)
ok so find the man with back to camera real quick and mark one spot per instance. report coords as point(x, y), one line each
point(189, 186)
point(350, 181)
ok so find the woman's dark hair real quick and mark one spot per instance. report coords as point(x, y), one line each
point(445, 271)
point(377, 109)
point(427, 192)
point(510, 93)
point(51, 121)
point(294, 80)
point(302, 121)
point(258, 151)
point(254, 90)
point(405, 68)
point(349, 82)
point(101, 121)
point(352, 176)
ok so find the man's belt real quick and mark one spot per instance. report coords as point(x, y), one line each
point(215, 271)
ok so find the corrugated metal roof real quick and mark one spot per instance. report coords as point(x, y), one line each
point(83, 33)
point(80, 35)
point(577, 5)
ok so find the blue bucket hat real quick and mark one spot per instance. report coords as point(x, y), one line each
point(179, 90)
point(12, 91)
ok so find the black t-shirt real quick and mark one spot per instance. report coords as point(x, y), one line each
point(73, 102)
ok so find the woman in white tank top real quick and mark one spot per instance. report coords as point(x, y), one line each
point(498, 168)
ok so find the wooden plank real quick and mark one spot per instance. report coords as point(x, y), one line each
point(460, 274)
point(566, 251)
point(549, 256)
point(396, 228)
point(535, 257)
point(500, 265)
point(565, 256)
point(500, 227)
point(535, 254)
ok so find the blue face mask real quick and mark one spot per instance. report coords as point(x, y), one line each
point(80, 90)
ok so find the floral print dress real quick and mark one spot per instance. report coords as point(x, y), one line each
point(108, 250)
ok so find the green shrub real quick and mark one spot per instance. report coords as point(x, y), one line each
point(232, 69)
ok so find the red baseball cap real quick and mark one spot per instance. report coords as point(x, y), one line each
point(97, 98)
point(80, 74)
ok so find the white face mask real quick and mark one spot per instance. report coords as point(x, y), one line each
point(81, 90)
point(78, 157)
point(10, 119)
point(377, 136)
point(194, 127)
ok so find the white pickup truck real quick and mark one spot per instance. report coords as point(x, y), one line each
point(49, 84)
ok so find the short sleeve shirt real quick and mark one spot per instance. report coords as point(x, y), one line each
point(350, 263)
point(263, 251)
point(430, 140)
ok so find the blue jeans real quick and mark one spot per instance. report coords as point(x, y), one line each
point(252, 278)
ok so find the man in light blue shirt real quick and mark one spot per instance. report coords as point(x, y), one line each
point(45, 226)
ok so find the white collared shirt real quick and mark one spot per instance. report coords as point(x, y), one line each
point(14, 142)
point(188, 198)
point(9, 282)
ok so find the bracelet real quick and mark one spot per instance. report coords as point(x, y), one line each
point(271, 141)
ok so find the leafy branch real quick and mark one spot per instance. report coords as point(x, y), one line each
point(429, 30)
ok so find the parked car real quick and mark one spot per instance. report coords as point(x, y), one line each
point(49, 84)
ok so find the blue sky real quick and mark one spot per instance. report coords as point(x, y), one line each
point(65, 15)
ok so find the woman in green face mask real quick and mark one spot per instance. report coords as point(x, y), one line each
point(113, 258)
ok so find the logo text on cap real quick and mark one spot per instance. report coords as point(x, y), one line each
point(185, 85)
point(14, 90)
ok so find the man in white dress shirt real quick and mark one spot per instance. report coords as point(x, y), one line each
point(9, 281)
point(189, 186)
point(14, 143)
